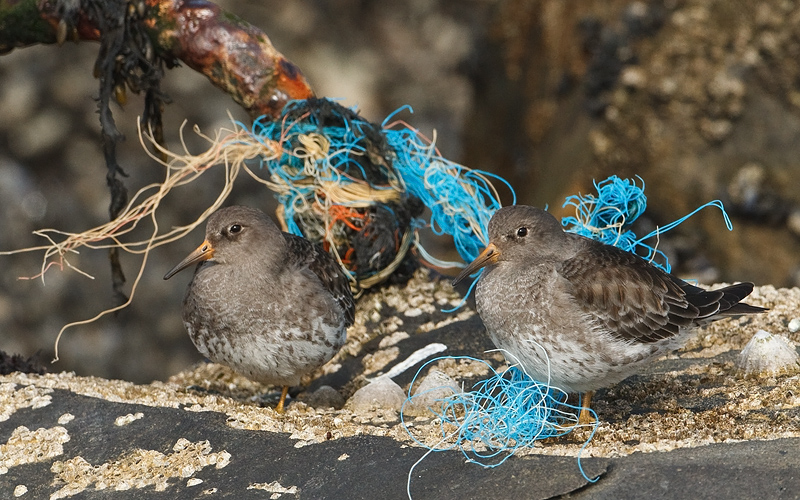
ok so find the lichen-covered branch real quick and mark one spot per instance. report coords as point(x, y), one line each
point(235, 55)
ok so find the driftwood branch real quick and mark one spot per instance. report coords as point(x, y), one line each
point(236, 56)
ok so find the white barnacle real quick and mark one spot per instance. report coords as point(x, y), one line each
point(768, 355)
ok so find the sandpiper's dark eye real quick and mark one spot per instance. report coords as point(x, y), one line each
point(235, 228)
point(522, 232)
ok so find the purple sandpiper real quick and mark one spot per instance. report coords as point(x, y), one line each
point(272, 306)
point(579, 314)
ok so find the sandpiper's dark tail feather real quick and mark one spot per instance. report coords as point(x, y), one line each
point(722, 302)
point(731, 305)
point(740, 309)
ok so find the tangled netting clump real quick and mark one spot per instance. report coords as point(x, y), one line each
point(359, 189)
point(607, 217)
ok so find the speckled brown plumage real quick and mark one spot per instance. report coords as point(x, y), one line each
point(580, 314)
point(270, 305)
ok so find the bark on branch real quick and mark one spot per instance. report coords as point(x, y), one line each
point(236, 56)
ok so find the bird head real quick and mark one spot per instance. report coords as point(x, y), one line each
point(519, 233)
point(232, 235)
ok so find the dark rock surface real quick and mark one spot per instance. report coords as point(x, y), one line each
point(364, 466)
point(690, 426)
point(374, 467)
point(353, 467)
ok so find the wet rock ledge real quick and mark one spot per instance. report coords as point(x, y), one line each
point(692, 426)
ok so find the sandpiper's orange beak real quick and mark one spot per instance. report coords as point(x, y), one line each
point(489, 255)
point(203, 252)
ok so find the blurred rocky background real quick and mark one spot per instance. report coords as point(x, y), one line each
point(700, 99)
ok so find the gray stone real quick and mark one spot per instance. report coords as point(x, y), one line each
point(382, 392)
point(427, 397)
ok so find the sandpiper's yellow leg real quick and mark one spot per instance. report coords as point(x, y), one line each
point(284, 392)
point(586, 416)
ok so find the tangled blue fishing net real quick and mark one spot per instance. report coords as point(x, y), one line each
point(607, 217)
point(501, 414)
point(360, 189)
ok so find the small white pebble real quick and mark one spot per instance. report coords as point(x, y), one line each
point(181, 444)
point(20, 490)
point(633, 77)
point(275, 488)
point(41, 401)
point(223, 459)
point(768, 355)
point(66, 418)
point(343, 457)
point(394, 338)
point(194, 481)
point(127, 419)
point(413, 312)
point(794, 325)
